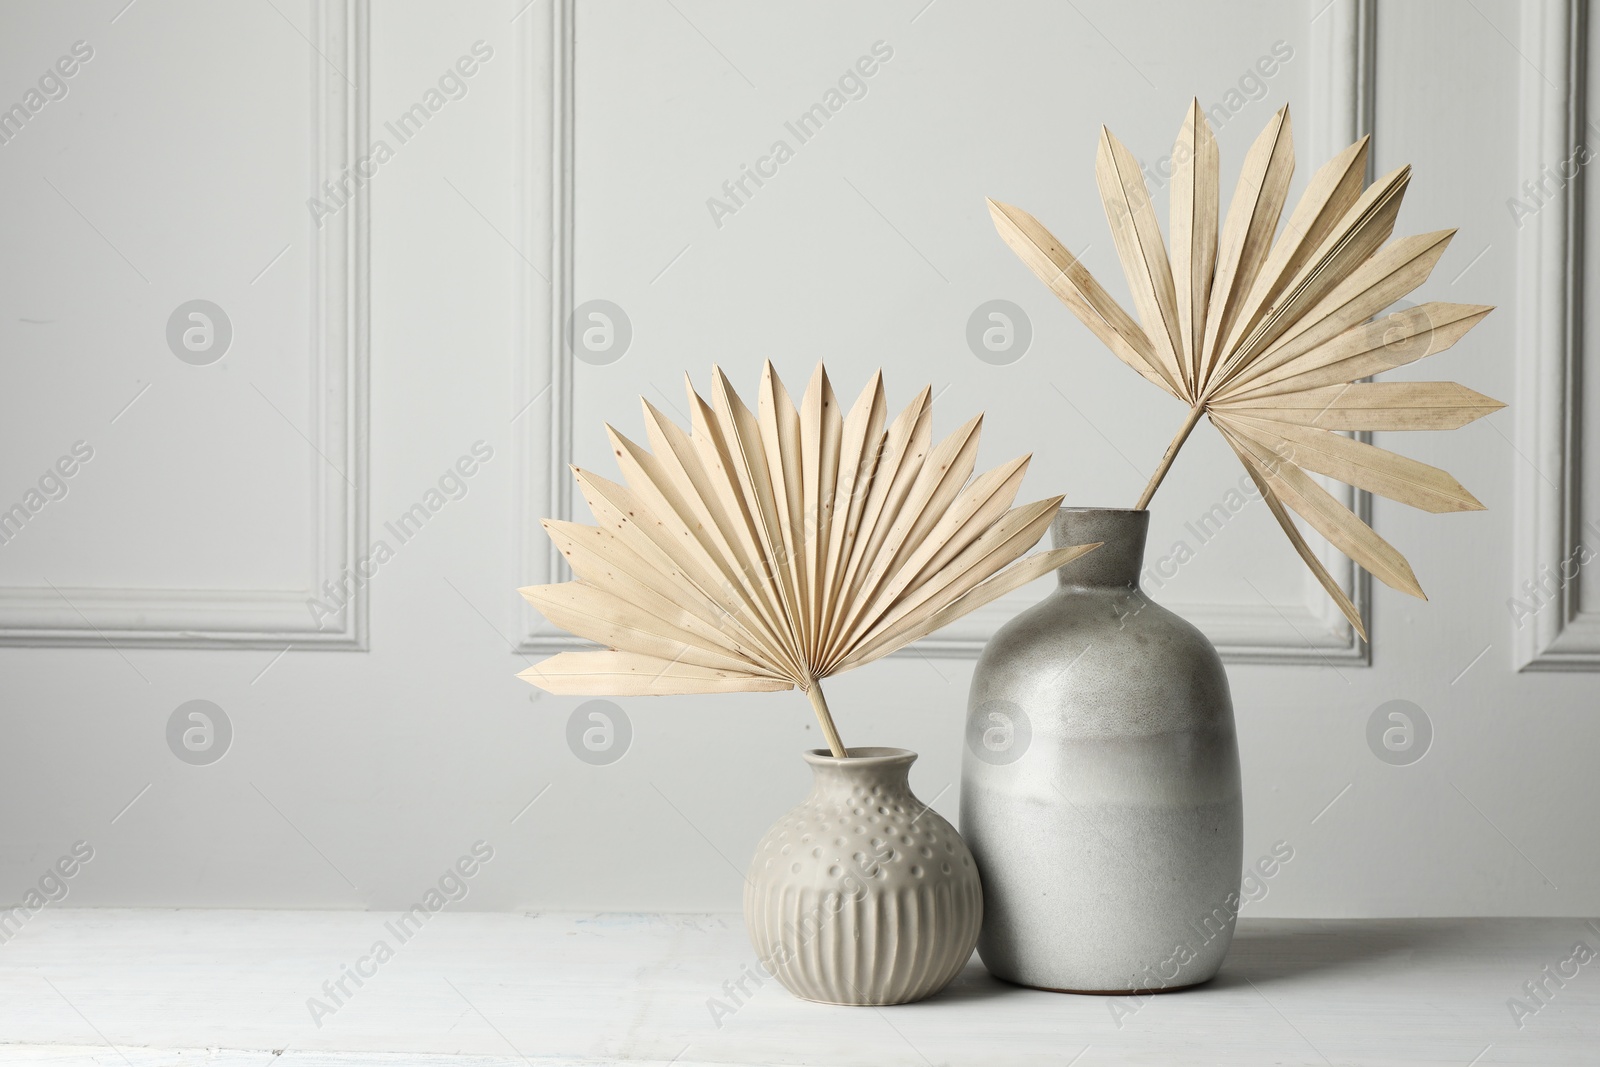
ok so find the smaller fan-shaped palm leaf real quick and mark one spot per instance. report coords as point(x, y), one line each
point(769, 549)
point(1268, 340)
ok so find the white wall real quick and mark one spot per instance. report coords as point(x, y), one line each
point(378, 748)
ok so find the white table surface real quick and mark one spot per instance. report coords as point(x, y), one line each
point(225, 988)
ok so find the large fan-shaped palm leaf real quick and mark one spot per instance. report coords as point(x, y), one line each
point(1268, 339)
point(769, 549)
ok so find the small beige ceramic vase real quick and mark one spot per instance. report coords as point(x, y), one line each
point(863, 894)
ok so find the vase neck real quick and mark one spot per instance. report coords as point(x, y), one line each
point(887, 768)
point(1118, 560)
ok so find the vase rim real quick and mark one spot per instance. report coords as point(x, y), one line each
point(860, 756)
point(1115, 565)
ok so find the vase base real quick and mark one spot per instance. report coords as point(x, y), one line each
point(860, 1003)
point(1107, 992)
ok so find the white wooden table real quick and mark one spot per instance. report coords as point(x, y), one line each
point(225, 988)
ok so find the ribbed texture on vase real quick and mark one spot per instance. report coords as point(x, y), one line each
point(882, 946)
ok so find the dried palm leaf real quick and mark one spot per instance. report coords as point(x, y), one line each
point(1269, 339)
point(770, 549)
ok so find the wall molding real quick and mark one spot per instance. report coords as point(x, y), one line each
point(1343, 109)
point(250, 618)
point(1341, 54)
point(1553, 260)
point(543, 386)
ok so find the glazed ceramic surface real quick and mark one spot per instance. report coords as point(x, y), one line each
point(1100, 782)
point(863, 894)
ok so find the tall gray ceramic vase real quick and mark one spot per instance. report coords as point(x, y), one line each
point(1100, 783)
